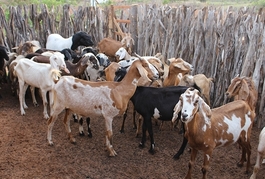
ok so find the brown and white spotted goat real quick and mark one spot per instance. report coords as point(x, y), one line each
point(90, 99)
point(207, 129)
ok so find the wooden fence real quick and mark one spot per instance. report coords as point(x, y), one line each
point(219, 42)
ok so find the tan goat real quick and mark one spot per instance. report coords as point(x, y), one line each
point(201, 81)
point(243, 88)
point(177, 68)
point(91, 99)
point(110, 46)
point(207, 129)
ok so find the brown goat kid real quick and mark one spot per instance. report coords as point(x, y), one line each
point(207, 129)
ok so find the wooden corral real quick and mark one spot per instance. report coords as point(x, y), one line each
point(219, 42)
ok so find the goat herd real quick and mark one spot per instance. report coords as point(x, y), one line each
point(106, 78)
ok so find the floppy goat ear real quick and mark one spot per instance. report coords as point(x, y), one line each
point(177, 109)
point(205, 108)
point(244, 90)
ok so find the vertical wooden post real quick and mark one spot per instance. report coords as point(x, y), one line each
point(133, 25)
point(111, 23)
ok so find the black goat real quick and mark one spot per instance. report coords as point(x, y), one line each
point(157, 103)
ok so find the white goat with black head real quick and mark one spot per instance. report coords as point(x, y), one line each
point(57, 42)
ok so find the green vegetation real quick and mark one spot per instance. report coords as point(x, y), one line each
point(49, 3)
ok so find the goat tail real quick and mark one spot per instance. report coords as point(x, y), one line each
point(55, 75)
point(138, 56)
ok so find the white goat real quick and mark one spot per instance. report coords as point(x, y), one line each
point(260, 154)
point(38, 75)
point(106, 98)
point(207, 129)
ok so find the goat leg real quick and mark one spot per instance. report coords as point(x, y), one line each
point(123, 121)
point(88, 127)
point(81, 129)
point(183, 145)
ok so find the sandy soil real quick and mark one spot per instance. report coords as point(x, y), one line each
point(24, 150)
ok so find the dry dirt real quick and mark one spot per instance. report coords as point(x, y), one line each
point(24, 150)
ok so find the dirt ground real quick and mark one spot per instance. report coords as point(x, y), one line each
point(25, 153)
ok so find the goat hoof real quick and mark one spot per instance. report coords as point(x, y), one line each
point(121, 131)
point(176, 157)
point(113, 154)
point(46, 116)
point(73, 141)
point(152, 151)
point(89, 135)
point(51, 144)
point(141, 145)
point(247, 172)
point(81, 133)
point(239, 164)
point(181, 132)
point(36, 104)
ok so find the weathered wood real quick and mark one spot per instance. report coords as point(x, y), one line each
point(219, 42)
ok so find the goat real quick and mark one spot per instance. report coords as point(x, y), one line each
point(12, 77)
point(177, 68)
point(122, 54)
point(126, 60)
point(114, 68)
point(27, 47)
point(243, 88)
point(4, 58)
point(260, 154)
point(157, 103)
point(110, 71)
point(57, 42)
point(110, 46)
point(201, 81)
point(38, 75)
point(207, 129)
point(105, 98)
point(103, 60)
point(88, 60)
point(89, 50)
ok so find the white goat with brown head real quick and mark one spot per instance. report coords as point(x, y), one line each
point(105, 98)
point(207, 129)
